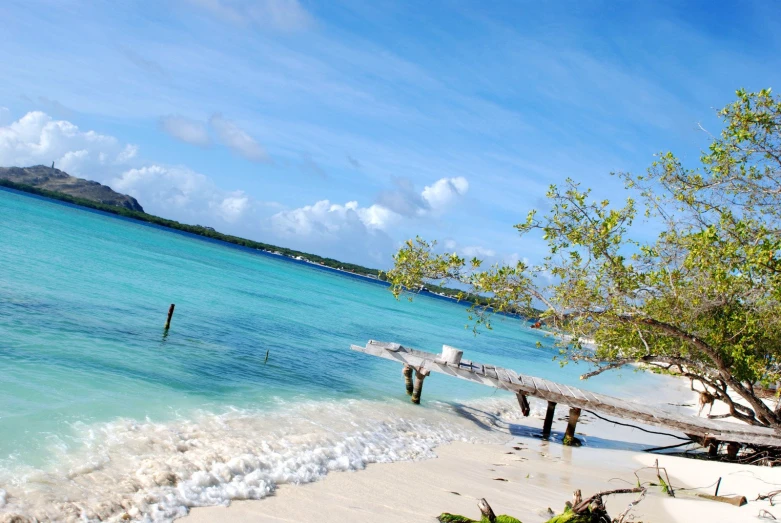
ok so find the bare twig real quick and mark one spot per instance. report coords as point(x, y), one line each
point(770, 496)
point(629, 508)
point(583, 505)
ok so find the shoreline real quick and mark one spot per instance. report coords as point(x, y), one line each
point(522, 477)
point(522, 483)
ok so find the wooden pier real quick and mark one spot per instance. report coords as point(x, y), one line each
point(707, 431)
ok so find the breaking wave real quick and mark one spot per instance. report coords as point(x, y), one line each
point(129, 470)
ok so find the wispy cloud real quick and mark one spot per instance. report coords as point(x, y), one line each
point(145, 64)
point(186, 130)
point(310, 166)
point(282, 15)
point(232, 136)
point(353, 162)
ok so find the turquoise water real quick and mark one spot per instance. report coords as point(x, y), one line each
point(90, 382)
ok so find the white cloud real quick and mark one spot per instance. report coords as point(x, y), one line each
point(235, 138)
point(36, 138)
point(474, 251)
point(468, 251)
point(5, 115)
point(444, 192)
point(186, 130)
point(282, 15)
point(341, 231)
point(325, 219)
point(182, 193)
point(336, 227)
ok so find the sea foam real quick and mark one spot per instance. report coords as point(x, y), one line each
point(156, 471)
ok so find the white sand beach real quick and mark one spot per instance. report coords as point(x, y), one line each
point(523, 477)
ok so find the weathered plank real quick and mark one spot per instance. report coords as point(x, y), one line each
point(572, 396)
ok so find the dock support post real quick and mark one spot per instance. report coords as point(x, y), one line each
point(569, 434)
point(546, 427)
point(420, 375)
point(170, 315)
point(524, 403)
point(407, 373)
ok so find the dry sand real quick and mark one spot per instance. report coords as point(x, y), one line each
point(522, 478)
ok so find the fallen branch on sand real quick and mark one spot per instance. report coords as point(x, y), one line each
point(579, 510)
point(770, 496)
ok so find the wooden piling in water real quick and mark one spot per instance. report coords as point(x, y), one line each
point(524, 403)
point(170, 315)
point(406, 371)
point(569, 434)
point(546, 427)
point(420, 375)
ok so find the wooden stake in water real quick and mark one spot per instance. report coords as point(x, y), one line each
point(266, 360)
point(569, 434)
point(407, 373)
point(420, 375)
point(170, 315)
point(548, 424)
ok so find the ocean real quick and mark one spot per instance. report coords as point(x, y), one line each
point(105, 417)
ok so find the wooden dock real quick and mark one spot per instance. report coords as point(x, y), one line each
point(707, 431)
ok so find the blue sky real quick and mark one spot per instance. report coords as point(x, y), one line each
point(343, 128)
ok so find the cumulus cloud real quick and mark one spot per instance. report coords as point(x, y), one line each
point(36, 138)
point(5, 115)
point(444, 192)
point(181, 192)
point(326, 219)
point(282, 15)
point(340, 231)
point(403, 199)
point(186, 130)
point(326, 223)
point(232, 136)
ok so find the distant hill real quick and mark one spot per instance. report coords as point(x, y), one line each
point(50, 179)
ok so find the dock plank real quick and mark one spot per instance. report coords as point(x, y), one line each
point(574, 396)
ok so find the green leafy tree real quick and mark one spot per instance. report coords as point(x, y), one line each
point(702, 298)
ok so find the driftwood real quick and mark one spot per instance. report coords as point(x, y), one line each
point(738, 501)
point(770, 496)
point(589, 510)
point(486, 510)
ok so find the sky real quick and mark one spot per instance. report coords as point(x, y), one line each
point(344, 128)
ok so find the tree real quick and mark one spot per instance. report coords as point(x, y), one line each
point(701, 298)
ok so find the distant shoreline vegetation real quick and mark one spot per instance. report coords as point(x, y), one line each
point(208, 232)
